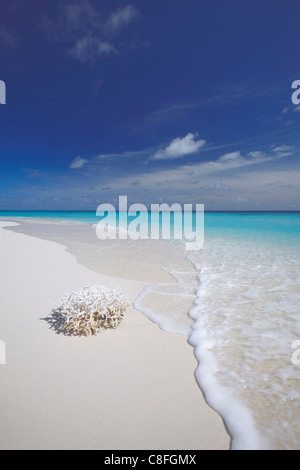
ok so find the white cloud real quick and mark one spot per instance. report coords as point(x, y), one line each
point(86, 36)
point(230, 157)
point(179, 148)
point(35, 174)
point(290, 109)
point(230, 167)
point(7, 37)
point(128, 154)
point(283, 150)
point(120, 18)
point(239, 200)
point(231, 161)
point(78, 162)
point(88, 48)
point(228, 180)
point(257, 154)
point(80, 15)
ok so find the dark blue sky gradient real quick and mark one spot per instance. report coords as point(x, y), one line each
point(114, 82)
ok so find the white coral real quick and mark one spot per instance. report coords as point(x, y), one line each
point(90, 310)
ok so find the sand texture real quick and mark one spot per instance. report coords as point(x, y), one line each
point(129, 388)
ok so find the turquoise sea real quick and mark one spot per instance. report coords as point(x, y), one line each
point(237, 224)
point(238, 301)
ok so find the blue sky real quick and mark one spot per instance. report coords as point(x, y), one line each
point(163, 101)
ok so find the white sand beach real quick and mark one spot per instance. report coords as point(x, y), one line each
point(129, 388)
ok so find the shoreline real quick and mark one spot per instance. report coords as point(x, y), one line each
point(130, 388)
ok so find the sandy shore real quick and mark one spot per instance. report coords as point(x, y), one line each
point(130, 388)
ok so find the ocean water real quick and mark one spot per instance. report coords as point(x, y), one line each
point(237, 300)
point(246, 319)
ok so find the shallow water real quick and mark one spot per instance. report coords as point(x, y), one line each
point(248, 313)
